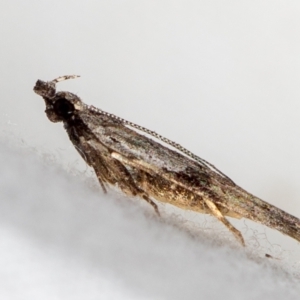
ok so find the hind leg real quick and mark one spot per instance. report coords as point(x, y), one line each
point(216, 212)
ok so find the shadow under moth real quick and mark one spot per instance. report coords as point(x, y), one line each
point(122, 155)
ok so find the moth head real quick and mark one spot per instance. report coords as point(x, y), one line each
point(63, 107)
point(45, 89)
point(60, 106)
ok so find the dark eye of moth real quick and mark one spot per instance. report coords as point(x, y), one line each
point(63, 108)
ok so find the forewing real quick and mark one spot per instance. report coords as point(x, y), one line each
point(131, 144)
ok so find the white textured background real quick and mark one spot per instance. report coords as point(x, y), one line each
point(219, 77)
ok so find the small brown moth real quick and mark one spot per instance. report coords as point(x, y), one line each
point(141, 166)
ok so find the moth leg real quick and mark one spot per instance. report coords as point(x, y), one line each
point(135, 190)
point(126, 182)
point(101, 180)
point(216, 212)
point(151, 202)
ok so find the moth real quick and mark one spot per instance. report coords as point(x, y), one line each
point(143, 163)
